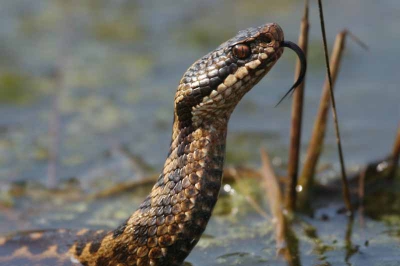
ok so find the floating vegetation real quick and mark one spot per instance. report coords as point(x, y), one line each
point(15, 89)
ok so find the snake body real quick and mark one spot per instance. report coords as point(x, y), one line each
point(170, 221)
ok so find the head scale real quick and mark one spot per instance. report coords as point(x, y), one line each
point(211, 88)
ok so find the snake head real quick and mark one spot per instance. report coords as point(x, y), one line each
point(211, 88)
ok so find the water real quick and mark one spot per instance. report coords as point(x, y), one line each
point(120, 62)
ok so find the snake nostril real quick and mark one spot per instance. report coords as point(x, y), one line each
point(266, 38)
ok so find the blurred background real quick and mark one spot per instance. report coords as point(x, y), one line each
point(114, 67)
point(80, 78)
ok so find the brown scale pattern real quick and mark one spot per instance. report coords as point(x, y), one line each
point(170, 221)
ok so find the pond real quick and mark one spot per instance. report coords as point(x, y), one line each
point(84, 83)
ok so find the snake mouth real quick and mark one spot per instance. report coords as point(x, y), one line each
point(303, 62)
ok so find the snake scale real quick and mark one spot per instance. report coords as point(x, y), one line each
point(169, 222)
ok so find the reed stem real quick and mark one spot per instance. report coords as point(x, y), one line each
point(297, 117)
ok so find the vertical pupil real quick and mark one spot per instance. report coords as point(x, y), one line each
point(241, 51)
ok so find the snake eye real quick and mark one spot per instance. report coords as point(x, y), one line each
point(241, 51)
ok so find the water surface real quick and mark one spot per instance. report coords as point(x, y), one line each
point(103, 75)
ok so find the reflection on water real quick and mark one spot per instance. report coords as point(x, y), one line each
point(120, 62)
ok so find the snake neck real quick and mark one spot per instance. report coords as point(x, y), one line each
point(170, 221)
point(187, 190)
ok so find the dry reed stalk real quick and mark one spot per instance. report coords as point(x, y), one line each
point(274, 195)
point(291, 252)
point(286, 241)
point(297, 115)
point(395, 154)
point(361, 186)
point(252, 202)
point(123, 187)
point(306, 178)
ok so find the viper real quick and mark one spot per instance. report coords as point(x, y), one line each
point(169, 222)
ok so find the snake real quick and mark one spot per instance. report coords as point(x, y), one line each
point(170, 221)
